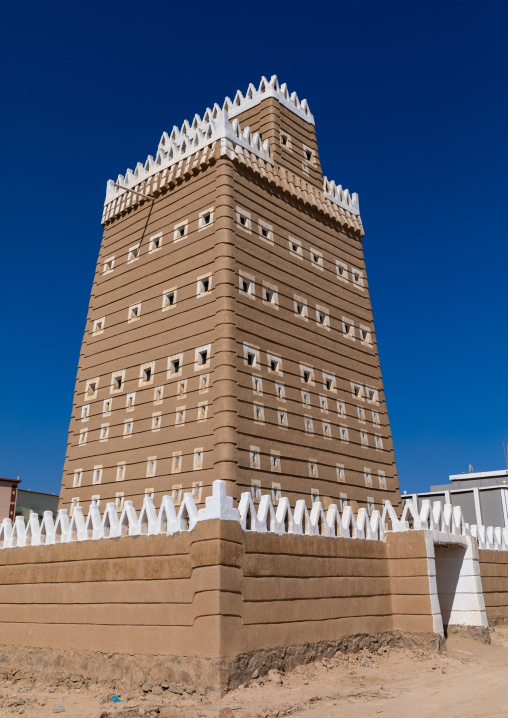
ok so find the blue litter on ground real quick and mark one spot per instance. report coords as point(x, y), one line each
point(116, 699)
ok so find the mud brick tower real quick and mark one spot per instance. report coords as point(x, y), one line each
point(230, 332)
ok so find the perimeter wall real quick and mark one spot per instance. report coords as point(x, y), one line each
point(494, 575)
point(204, 608)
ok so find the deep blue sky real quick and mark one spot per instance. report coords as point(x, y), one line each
point(411, 112)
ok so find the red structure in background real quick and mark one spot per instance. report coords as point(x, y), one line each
point(10, 485)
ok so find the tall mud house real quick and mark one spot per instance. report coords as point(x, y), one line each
point(230, 332)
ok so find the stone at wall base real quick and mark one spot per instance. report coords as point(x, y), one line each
point(185, 674)
point(477, 633)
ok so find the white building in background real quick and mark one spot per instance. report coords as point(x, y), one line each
point(482, 496)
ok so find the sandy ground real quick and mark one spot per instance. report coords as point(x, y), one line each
point(469, 680)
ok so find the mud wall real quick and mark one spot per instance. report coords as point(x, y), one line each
point(494, 575)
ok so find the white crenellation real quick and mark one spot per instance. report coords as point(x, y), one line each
point(445, 522)
point(341, 197)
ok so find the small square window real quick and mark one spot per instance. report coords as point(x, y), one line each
point(168, 299)
point(146, 373)
point(275, 461)
point(282, 417)
point(301, 308)
point(204, 285)
point(295, 248)
point(176, 494)
point(370, 504)
point(372, 395)
point(285, 140)
point(307, 374)
point(120, 471)
point(130, 401)
point(181, 389)
point(117, 381)
point(176, 462)
point(108, 265)
point(104, 432)
point(259, 413)
point(364, 438)
point(97, 474)
point(265, 231)
point(361, 414)
point(155, 243)
point(133, 253)
point(180, 231)
point(327, 430)
point(341, 270)
point(357, 278)
point(180, 416)
point(91, 387)
point(134, 313)
point(247, 285)
point(316, 259)
point(375, 418)
point(367, 477)
point(78, 476)
point(175, 364)
point(270, 295)
point(251, 356)
point(202, 410)
point(205, 219)
point(119, 497)
point(256, 491)
point(85, 412)
point(280, 391)
point(379, 442)
point(197, 488)
point(243, 220)
point(156, 421)
point(158, 394)
point(341, 474)
point(341, 408)
point(313, 470)
point(98, 326)
point(255, 457)
point(274, 365)
point(151, 466)
point(74, 503)
point(204, 383)
point(323, 404)
point(106, 407)
point(343, 502)
point(276, 490)
point(128, 427)
point(344, 434)
point(357, 390)
point(306, 399)
point(309, 425)
point(309, 156)
point(365, 336)
point(197, 464)
point(382, 479)
point(202, 357)
point(329, 382)
point(257, 385)
point(322, 317)
point(95, 499)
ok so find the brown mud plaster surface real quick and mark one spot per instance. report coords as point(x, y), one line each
point(467, 680)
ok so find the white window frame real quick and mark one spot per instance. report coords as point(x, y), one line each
point(295, 248)
point(257, 385)
point(323, 312)
point(156, 420)
point(176, 463)
point(165, 299)
point(130, 401)
point(77, 478)
point(109, 265)
point(201, 219)
point(159, 390)
point(316, 259)
point(249, 349)
point(304, 368)
point(178, 235)
point(97, 474)
point(202, 411)
point(255, 458)
point(277, 361)
point(280, 391)
point(126, 424)
point(121, 467)
point(305, 308)
point(344, 434)
point(268, 228)
point(155, 243)
point(147, 365)
point(133, 253)
point(249, 279)
point(348, 329)
point(98, 326)
point(357, 282)
point(171, 374)
point(259, 412)
point(104, 433)
point(244, 214)
point(88, 384)
point(367, 341)
point(267, 289)
point(134, 313)
point(198, 366)
point(341, 473)
point(200, 290)
point(114, 376)
point(275, 463)
point(180, 412)
point(198, 459)
point(338, 266)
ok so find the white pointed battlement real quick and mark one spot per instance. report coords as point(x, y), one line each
point(341, 197)
point(444, 521)
point(268, 88)
point(182, 144)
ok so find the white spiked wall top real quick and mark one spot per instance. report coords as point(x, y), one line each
point(340, 196)
point(215, 125)
point(185, 142)
point(446, 522)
